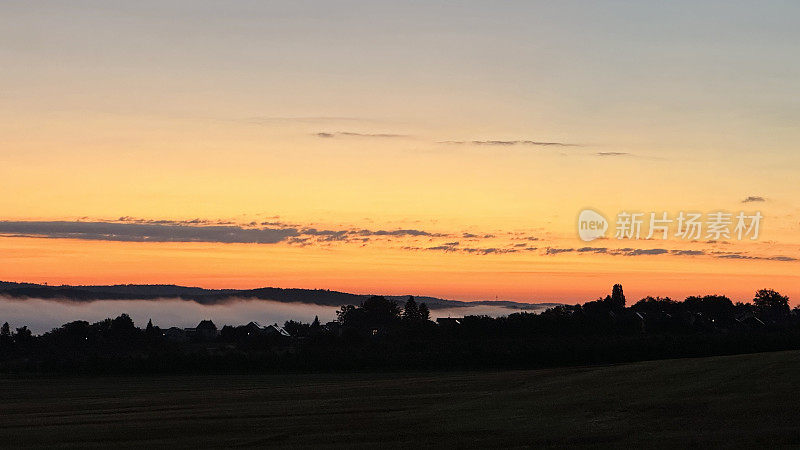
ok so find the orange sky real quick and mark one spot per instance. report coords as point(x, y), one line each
point(387, 268)
point(502, 121)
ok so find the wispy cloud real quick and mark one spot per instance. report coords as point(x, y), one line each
point(489, 251)
point(555, 251)
point(754, 198)
point(646, 251)
point(400, 232)
point(761, 258)
point(612, 154)
point(688, 252)
point(454, 247)
point(592, 250)
point(627, 251)
point(512, 142)
point(781, 258)
point(364, 235)
point(478, 236)
point(610, 251)
point(333, 134)
point(264, 120)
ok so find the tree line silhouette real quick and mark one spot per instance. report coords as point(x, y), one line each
point(380, 334)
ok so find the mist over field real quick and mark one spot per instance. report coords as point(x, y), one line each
point(42, 315)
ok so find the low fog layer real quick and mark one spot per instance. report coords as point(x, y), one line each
point(41, 315)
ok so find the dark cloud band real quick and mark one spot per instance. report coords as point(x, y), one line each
point(138, 232)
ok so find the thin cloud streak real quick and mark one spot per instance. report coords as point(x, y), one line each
point(662, 251)
point(612, 154)
point(333, 134)
point(760, 258)
point(512, 142)
point(302, 119)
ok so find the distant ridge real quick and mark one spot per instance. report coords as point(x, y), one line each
point(213, 296)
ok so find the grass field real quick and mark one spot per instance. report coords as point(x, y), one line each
point(741, 401)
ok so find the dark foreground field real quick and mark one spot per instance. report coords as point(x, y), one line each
point(748, 400)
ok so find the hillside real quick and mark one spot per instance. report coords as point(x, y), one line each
point(213, 296)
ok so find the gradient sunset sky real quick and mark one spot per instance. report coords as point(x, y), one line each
point(429, 148)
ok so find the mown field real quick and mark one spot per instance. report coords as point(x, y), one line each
point(739, 401)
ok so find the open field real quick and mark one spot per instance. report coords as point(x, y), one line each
point(744, 400)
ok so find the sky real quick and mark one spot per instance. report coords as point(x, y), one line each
point(429, 148)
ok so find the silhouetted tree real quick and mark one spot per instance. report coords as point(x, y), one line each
point(347, 315)
point(597, 307)
point(656, 305)
point(424, 313)
point(296, 329)
point(23, 335)
point(771, 304)
point(411, 311)
point(5, 335)
point(153, 333)
point(380, 311)
point(595, 332)
point(122, 324)
point(715, 307)
point(374, 312)
point(617, 297)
